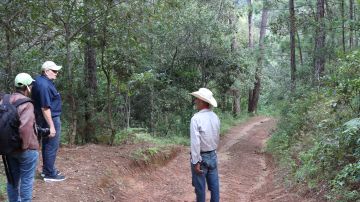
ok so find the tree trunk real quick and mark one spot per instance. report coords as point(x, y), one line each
point(236, 102)
point(250, 12)
point(332, 35)
point(250, 45)
point(356, 18)
point(223, 102)
point(292, 45)
point(90, 81)
point(255, 93)
point(319, 51)
point(73, 121)
point(152, 108)
point(343, 24)
point(234, 46)
point(351, 16)
point(107, 69)
point(233, 20)
point(128, 110)
point(299, 48)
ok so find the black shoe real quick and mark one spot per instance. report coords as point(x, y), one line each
point(56, 178)
point(57, 173)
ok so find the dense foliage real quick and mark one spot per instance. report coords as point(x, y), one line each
point(126, 64)
point(321, 146)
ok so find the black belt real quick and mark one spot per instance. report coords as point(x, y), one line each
point(206, 152)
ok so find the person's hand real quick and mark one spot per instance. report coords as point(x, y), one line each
point(52, 132)
point(198, 169)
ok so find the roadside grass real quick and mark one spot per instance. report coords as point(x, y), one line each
point(228, 121)
point(154, 155)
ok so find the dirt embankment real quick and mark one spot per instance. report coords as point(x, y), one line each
point(101, 173)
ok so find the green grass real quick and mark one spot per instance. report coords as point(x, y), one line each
point(176, 139)
point(228, 121)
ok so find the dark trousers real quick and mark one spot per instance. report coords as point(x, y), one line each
point(50, 147)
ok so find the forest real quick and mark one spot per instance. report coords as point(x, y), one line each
point(129, 65)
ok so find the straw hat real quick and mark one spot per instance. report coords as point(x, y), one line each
point(205, 95)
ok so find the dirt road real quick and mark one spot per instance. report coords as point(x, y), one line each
point(100, 173)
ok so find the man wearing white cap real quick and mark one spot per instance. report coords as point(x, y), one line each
point(204, 133)
point(47, 101)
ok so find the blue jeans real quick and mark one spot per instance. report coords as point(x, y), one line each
point(209, 176)
point(22, 167)
point(49, 149)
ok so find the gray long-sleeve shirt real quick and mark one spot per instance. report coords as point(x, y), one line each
point(204, 133)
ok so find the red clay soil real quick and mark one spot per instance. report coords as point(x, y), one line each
point(99, 173)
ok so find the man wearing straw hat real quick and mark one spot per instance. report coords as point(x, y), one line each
point(204, 133)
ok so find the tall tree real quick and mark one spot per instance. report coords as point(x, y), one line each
point(107, 69)
point(9, 36)
point(351, 18)
point(250, 24)
point(299, 48)
point(356, 18)
point(292, 45)
point(65, 17)
point(255, 92)
point(319, 51)
point(16, 33)
point(233, 19)
point(250, 42)
point(342, 9)
point(90, 74)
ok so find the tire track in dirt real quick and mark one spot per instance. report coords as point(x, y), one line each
point(240, 167)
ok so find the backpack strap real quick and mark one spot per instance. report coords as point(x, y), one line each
point(21, 101)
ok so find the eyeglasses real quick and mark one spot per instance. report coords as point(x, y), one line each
point(54, 71)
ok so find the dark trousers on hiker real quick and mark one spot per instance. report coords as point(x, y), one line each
point(49, 150)
point(23, 166)
point(210, 177)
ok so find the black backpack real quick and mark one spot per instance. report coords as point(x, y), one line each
point(9, 125)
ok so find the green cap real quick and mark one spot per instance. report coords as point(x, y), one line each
point(23, 79)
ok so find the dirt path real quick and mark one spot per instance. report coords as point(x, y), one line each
point(99, 173)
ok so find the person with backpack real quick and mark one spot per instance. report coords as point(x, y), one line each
point(47, 101)
point(204, 139)
point(21, 161)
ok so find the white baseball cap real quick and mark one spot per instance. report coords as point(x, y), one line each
point(50, 65)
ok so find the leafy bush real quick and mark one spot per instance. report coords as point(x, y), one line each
point(346, 184)
point(318, 135)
